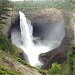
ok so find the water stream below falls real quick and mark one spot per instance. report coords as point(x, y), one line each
point(24, 39)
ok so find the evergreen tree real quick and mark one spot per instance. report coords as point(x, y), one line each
point(4, 7)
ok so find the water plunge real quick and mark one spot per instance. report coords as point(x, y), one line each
point(24, 39)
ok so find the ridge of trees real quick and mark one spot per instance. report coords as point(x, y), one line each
point(39, 4)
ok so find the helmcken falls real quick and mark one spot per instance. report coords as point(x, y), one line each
point(24, 39)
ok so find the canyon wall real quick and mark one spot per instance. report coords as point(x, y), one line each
point(41, 19)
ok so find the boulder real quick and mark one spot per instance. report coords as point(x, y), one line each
point(23, 56)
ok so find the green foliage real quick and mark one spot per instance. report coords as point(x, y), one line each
point(55, 69)
point(5, 44)
point(4, 71)
point(23, 62)
point(71, 59)
point(4, 8)
point(64, 68)
point(4, 4)
point(59, 4)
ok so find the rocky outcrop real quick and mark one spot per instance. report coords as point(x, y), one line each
point(23, 56)
point(13, 15)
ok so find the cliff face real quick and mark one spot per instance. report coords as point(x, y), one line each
point(13, 15)
point(42, 18)
point(56, 55)
point(60, 54)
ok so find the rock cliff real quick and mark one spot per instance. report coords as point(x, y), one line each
point(40, 19)
point(13, 15)
point(44, 17)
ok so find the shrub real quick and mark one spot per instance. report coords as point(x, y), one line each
point(71, 59)
point(55, 69)
point(4, 71)
point(5, 44)
point(4, 5)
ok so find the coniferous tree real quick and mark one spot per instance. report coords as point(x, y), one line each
point(4, 8)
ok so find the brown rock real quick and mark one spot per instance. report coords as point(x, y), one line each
point(56, 55)
point(23, 56)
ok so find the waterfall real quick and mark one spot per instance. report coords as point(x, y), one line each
point(25, 32)
point(24, 40)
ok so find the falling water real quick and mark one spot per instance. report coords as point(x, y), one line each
point(24, 40)
point(25, 32)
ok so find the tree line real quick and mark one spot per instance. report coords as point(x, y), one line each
point(39, 4)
